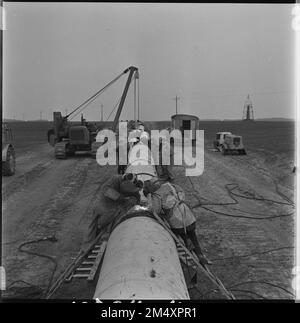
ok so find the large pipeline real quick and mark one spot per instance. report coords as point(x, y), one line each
point(141, 262)
point(141, 259)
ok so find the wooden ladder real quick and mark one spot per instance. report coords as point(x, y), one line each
point(88, 267)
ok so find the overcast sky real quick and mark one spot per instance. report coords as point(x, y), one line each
point(58, 54)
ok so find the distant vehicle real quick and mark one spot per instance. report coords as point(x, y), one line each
point(68, 139)
point(8, 151)
point(228, 143)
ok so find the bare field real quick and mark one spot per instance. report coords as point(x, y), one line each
point(249, 240)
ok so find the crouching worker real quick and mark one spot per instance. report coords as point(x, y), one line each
point(118, 194)
point(165, 171)
point(169, 198)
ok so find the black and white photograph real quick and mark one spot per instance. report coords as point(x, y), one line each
point(149, 152)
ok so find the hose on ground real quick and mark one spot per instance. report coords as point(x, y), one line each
point(233, 196)
point(51, 239)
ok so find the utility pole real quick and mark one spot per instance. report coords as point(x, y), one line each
point(101, 112)
point(138, 101)
point(176, 100)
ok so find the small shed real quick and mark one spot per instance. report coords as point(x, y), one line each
point(185, 122)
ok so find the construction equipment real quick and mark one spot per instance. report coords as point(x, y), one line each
point(8, 151)
point(228, 143)
point(67, 138)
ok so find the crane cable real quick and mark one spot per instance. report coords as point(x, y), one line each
point(114, 108)
point(138, 98)
point(94, 96)
point(134, 100)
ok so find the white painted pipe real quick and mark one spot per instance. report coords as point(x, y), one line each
point(141, 262)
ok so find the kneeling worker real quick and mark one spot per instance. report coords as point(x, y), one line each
point(117, 194)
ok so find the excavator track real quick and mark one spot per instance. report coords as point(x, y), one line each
point(60, 150)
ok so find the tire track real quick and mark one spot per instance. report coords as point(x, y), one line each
point(62, 201)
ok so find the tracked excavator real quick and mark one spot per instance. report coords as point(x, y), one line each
point(67, 138)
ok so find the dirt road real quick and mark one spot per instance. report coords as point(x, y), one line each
point(46, 197)
point(56, 197)
point(250, 241)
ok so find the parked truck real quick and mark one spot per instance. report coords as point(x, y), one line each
point(228, 143)
point(8, 151)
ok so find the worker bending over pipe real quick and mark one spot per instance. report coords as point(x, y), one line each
point(117, 195)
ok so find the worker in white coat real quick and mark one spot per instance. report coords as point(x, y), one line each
point(169, 198)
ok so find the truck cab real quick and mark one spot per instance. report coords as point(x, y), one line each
point(220, 138)
point(228, 143)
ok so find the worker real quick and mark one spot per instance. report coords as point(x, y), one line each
point(121, 167)
point(166, 171)
point(169, 198)
point(117, 195)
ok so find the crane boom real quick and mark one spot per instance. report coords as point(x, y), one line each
point(132, 70)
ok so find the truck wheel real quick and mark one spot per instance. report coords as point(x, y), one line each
point(9, 165)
